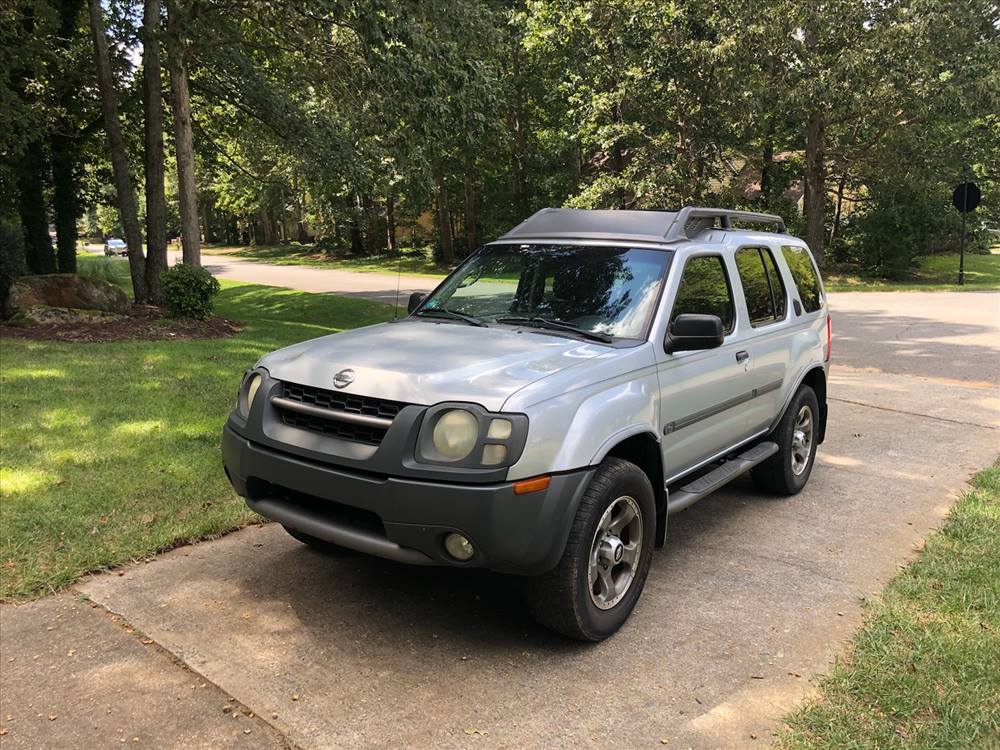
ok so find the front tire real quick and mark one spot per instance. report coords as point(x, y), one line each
point(788, 470)
point(595, 586)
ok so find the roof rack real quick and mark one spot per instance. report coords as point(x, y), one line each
point(698, 218)
point(653, 226)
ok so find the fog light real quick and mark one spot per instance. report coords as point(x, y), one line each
point(459, 547)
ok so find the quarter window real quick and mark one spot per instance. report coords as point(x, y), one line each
point(800, 264)
point(762, 285)
point(704, 290)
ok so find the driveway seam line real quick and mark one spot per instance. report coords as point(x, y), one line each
point(122, 621)
point(912, 413)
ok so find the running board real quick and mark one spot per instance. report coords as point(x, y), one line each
point(728, 471)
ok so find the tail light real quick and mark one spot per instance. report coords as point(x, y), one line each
point(829, 336)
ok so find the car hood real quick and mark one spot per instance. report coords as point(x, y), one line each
point(423, 362)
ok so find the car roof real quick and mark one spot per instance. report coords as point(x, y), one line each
point(654, 226)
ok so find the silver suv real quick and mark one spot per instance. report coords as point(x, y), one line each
point(550, 404)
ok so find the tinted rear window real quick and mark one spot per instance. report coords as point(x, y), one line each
point(800, 263)
point(762, 286)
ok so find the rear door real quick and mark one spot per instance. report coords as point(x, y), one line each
point(768, 338)
point(703, 394)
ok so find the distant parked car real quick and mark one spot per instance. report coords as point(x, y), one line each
point(115, 246)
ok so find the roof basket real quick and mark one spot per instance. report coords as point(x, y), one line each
point(691, 221)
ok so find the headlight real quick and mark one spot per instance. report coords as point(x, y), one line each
point(467, 436)
point(455, 435)
point(255, 381)
point(248, 390)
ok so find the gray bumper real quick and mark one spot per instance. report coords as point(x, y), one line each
point(407, 519)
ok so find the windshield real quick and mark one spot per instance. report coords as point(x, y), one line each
point(602, 290)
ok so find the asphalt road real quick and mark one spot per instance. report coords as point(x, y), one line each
point(381, 287)
point(751, 598)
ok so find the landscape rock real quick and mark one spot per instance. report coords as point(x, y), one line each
point(67, 290)
point(41, 315)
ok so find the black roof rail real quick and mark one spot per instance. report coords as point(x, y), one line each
point(678, 230)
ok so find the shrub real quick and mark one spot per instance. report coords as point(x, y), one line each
point(188, 291)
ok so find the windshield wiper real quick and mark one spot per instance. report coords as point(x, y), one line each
point(557, 325)
point(453, 315)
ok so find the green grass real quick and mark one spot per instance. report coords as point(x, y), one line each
point(414, 262)
point(924, 669)
point(933, 273)
point(110, 451)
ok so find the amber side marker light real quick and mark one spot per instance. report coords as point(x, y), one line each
point(531, 485)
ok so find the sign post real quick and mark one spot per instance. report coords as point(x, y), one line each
point(965, 198)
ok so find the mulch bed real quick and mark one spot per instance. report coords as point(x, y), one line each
point(144, 323)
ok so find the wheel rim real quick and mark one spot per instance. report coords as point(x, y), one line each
point(802, 439)
point(614, 553)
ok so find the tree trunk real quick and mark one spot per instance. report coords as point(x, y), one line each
point(127, 207)
point(766, 173)
point(268, 234)
point(65, 141)
point(814, 197)
point(517, 125)
point(152, 105)
point(443, 216)
point(471, 239)
point(838, 207)
point(390, 225)
point(180, 99)
point(64, 202)
point(38, 254)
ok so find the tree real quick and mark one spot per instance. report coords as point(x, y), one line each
point(152, 105)
point(180, 98)
point(116, 150)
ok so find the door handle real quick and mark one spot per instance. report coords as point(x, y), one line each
point(742, 357)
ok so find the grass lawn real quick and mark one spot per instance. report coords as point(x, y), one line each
point(415, 261)
point(111, 450)
point(934, 273)
point(924, 669)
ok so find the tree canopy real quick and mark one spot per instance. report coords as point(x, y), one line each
point(363, 124)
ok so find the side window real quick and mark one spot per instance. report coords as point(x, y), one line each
point(777, 284)
point(704, 290)
point(803, 271)
point(762, 285)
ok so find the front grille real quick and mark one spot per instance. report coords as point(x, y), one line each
point(338, 402)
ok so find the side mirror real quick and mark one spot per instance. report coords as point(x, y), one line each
point(415, 299)
point(691, 332)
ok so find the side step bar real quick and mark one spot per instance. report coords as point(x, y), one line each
point(709, 483)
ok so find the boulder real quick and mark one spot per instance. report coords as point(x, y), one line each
point(67, 290)
point(43, 315)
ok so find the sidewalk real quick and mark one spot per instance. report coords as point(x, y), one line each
point(73, 676)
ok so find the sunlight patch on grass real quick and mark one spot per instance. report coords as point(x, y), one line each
point(24, 373)
point(21, 481)
point(139, 428)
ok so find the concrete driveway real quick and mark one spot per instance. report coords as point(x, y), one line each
point(750, 599)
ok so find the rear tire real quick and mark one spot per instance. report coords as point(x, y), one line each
point(320, 545)
point(788, 470)
point(595, 586)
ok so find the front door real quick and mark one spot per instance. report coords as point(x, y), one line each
point(703, 394)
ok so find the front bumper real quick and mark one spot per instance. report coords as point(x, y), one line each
point(407, 519)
